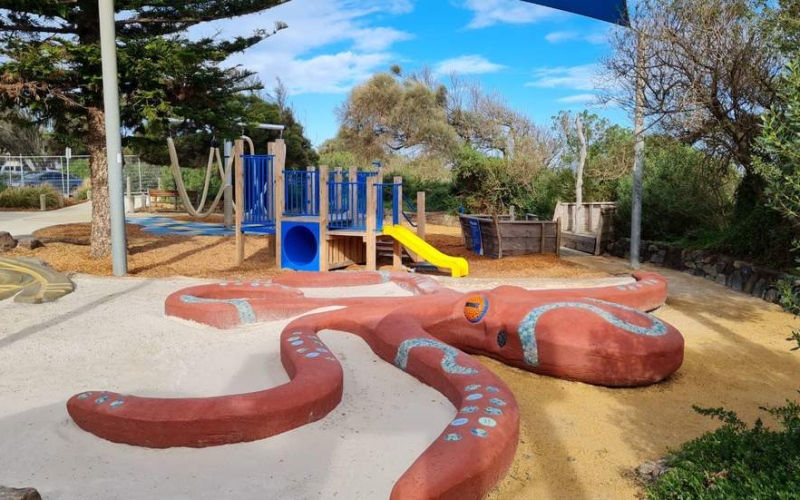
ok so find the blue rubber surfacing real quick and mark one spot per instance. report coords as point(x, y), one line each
point(164, 226)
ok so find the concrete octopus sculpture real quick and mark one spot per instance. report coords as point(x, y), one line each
point(593, 335)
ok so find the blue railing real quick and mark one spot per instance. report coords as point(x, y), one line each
point(345, 215)
point(259, 206)
point(411, 208)
point(301, 193)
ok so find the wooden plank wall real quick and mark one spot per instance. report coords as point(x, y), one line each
point(346, 250)
point(503, 237)
point(591, 218)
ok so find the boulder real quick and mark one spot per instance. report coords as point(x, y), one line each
point(722, 279)
point(657, 258)
point(747, 272)
point(735, 281)
point(7, 242)
point(19, 494)
point(29, 243)
point(771, 295)
point(750, 285)
point(759, 288)
point(650, 471)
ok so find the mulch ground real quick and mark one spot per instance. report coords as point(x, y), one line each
point(67, 250)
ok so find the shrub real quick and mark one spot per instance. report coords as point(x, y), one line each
point(193, 179)
point(82, 193)
point(28, 197)
point(439, 195)
point(736, 461)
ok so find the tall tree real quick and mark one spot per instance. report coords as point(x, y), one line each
point(710, 71)
point(51, 67)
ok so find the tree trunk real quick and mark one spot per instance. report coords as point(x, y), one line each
point(101, 208)
point(576, 219)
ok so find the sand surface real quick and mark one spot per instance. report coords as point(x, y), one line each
point(577, 441)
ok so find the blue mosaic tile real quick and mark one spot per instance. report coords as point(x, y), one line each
point(448, 363)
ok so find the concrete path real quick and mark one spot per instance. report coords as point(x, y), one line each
point(25, 223)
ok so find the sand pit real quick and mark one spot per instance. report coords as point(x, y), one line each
point(577, 441)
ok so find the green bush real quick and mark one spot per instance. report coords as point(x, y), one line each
point(3, 187)
point(28, 197)
point(549, 187)
point(439, 196)
point(736, 461)
point(193, 179)
point(82, 193)
point(684, 192)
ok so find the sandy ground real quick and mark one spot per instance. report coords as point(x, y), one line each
point(149, 255)
point(112, 334)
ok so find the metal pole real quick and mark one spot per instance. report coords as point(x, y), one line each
point(227, 201)
point(108, 54)
point(638, 163)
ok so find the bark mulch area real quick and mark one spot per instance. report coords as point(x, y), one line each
point(149, 255)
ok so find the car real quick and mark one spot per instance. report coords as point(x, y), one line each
point(11, 171)
point(65, 184)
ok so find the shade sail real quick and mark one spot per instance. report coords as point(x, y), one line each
point(611, 11)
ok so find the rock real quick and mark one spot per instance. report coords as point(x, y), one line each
point(689, 264)
point(698, 272)
point(652, 248)
point(722, 279)
point(711, 270)
point(759, 288)
point(710, 259)
point(737, 264)
point(650, 471)
point(7, 242)
point(662, 252)
point(657, 258)
point(747, 272)
point(771, 295)
point(750, 285)
point(29, 243)
point(19, 494)
point(735, 281)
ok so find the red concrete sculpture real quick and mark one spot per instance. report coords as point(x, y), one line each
point(594, 335)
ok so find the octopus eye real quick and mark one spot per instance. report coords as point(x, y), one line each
point(502, 338)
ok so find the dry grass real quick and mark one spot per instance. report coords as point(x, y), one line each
point(149, 255)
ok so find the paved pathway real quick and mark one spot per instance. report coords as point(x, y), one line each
point(25, 223)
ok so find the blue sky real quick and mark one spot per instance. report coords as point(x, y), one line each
point(541, 60)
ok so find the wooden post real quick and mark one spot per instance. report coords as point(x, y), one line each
point(558, 236)
point(379, 177)
point(371, 238)
point(421, 214)
point(598, 236)
point(496, 221)
point(129, 191)
point(324, 208)
point(397, 205)
point(512, 213)
point(352, 174)
point(279, 179)
point(238, 167)
point(541, 244)
point(42, 203)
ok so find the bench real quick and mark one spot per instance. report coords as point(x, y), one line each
point(155, 194)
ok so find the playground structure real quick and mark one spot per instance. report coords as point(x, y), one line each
point(596, 335)
point(499, 236)
point(589, 227)
point(31, 281)
point(319, 220)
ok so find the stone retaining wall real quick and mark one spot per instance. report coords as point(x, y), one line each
point(738, 275)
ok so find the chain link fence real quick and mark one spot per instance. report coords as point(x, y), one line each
point(14, 169)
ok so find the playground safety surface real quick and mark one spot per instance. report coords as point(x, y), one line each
point(577, 441)
point(188, 255)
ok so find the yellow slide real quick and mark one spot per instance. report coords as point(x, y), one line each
point(458, 266)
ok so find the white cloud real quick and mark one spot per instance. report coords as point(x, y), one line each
point(595, 38)
point(578, 99)
point(583, 77)
point(330, 45)
point(491, 12)
point(467, 65)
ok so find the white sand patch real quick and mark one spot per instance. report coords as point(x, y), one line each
point(112, 334)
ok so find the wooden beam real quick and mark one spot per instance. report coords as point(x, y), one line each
point(496, 222)
point(558, 236)
point(371, 237)
point(421, 214)
point(324, 206)
point(238, 151)
point(278, 178)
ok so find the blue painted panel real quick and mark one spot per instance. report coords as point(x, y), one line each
point(477, 240)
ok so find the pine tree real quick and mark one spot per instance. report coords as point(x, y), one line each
point(51, 67)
